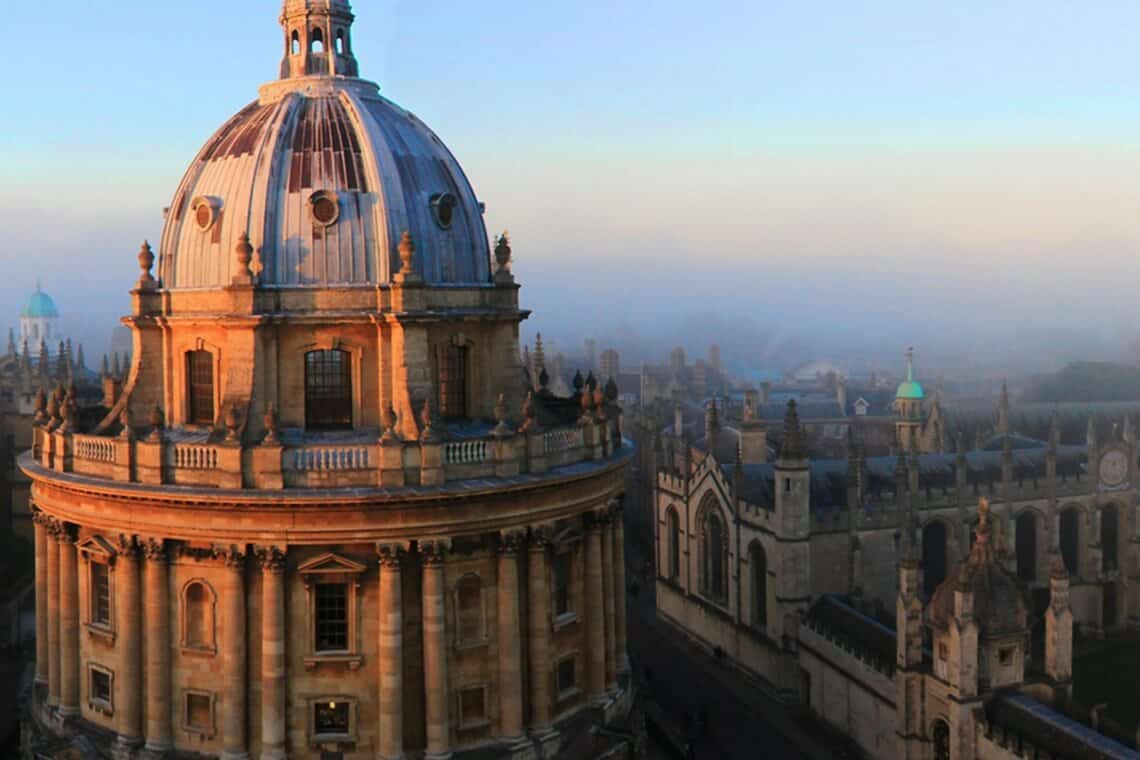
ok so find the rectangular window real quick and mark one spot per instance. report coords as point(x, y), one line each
point(453, 382)
point(328, 390)
point(200, 379)
point(199, 713)
point(472, 706)
point(100, 594)
point(562, 574)
point(331, 617)
point(567, 677)
point(330, 718)
point(101, 687)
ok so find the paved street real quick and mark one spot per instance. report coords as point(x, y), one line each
point(743, 722)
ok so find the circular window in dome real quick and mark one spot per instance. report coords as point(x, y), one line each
point(443, 209)
point(205, 211)
point(325, 207)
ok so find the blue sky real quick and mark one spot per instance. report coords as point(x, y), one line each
point(778, 159)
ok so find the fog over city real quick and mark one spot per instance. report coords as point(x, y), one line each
point(696, 177)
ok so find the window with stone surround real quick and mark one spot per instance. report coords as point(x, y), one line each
point(198, 713)
point(672, 545)
point(200, 387)
point(563, 584)
point(332, 720)
point(99, 556)
point(100, 689)
point(198, 606)
point(566, 676)
point(713, 551)
point(453, 382)
point(470, 611)
point(332, 583)
point(328, 390)
point(473, 707)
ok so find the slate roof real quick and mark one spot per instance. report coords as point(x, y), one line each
point(1062, 737)
point(833, 617)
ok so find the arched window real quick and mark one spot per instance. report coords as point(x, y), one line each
point(1109, 538)
point(200, 387)
point(328, 390)
point(453, 382)
point(758, 567)
point(340, 41)
point(672, 545)
point(469, 609)
point(933, 556)
point(941, 736)
point(1071, 540)
point(1026, 546)
point(317, 45)
point(714, 544)
point(197, 616)
point(295, 43)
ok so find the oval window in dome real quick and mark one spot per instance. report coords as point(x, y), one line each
point(205, 211)
point(443, 209)
point(325, 207)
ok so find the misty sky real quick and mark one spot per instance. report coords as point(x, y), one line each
point(848, 177)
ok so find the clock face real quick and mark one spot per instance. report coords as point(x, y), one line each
point(1113, 468)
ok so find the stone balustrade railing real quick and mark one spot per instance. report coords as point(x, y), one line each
point(186, 459)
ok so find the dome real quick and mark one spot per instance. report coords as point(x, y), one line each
point(39, 305)
point(999, 602)
point(325, 175)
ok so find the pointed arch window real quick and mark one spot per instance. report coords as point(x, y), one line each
point(200, 386)
point(714, 554)
point(673, 545)
point(295, 43)
point(318, 41)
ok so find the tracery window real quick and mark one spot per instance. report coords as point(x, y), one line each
point(714, 559)
point(328, 390)
point(200, 386)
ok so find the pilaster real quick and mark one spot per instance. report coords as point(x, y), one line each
point(608, 598)
point(391, 659)
point(52, 526)
point(436, 691)
point(234, 679)
point(509, 640)
point(594, 611)
point(68, 623)
point(40, 523)
point(538, 625)
point(128, 621)
point(157, 647)
point(273, 645)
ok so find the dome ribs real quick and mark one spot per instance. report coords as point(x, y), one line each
point(241, 135)
point(326, 152)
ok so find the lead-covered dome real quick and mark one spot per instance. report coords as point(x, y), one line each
point(325, 176)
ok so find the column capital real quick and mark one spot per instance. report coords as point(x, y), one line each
point(510, 541)
point(390, 553)
point(271, 558)
point(596, 519)
point(129, 548)
point(615, 505)
point(154, 549)
point(39, 517)
point(540, 537)
point(434, 550)
point(233, 555)
point(62, 532)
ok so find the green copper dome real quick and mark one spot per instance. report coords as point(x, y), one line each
point(910, 388)
point(39, 305)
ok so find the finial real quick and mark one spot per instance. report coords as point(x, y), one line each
point(543, 378)
point(611, 390)
point(503, 274)
point(146, 263)
point(41, 408)
point(389, 420)
point(502, 430)
point(428, 419)
point(407, 249)
point(579, 382)
point(910, 364)
point(156, 422)
point(243, 255)
point(233, 424)
point(126, 433)
point(792, 446)
point(530, 421)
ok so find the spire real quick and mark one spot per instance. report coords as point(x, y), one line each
point(793, 445)
point(11, 342)
point(910, 364)
point(318, 39)
point(1003, 410)
point(1054, 432)
point(539, 354)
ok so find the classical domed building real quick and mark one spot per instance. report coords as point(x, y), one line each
point(325, 515)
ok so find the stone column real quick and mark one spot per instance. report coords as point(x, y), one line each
point(273, 718)
point(538, 609)
point(156, 643)
point(234, 676)
point(128, 622)
point(619, 592)
point(391, 661)
point(608, 599)
point(39, 519)
point(52, 611)
point(594, 605)
point(68, 624)
point(436, 690)
point(510, 644)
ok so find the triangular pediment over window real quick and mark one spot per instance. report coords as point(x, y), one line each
point(331, 564)
point(97, 546)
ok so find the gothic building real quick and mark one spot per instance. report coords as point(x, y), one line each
point(325, 515)
point(751, 555)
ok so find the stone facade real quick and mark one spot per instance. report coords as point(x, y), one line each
point(327, 517)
